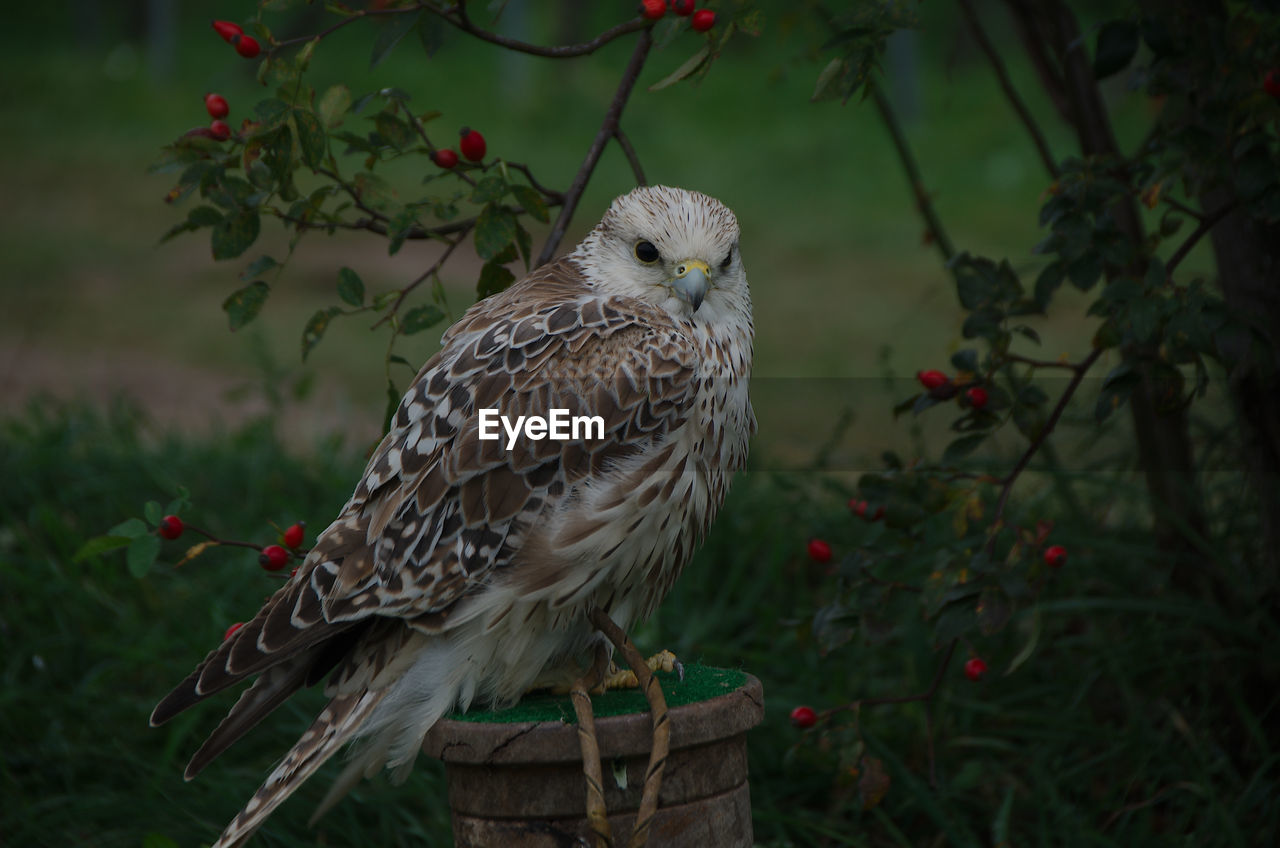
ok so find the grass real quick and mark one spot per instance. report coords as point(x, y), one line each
point(1135, 722)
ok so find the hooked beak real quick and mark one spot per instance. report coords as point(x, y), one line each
point(691, 282)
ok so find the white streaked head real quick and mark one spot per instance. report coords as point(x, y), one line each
point(669, 247)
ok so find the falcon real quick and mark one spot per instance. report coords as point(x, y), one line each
point(462, 569)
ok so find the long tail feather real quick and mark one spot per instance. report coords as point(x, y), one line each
point(334, 726)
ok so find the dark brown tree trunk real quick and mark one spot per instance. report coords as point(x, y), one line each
point(1057, 50)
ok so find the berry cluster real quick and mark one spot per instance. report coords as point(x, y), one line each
point(470, 142)
point(939, 385)
point(246, 45)
point(701, 20)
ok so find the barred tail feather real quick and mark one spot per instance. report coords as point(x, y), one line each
point(333, 727)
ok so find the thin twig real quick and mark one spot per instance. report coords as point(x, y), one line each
point(632, 158)
point(1207, 223)
point(607, 129)
point(350, 19)
point(462, 21)
point(1006, 485)
point(422, 278)
point(556, 196)
point(1006, 85)
point(923, 203)
point(1040, 363)
point(1183, 208)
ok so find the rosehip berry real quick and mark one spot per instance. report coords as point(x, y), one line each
point(221, 131)
point(471, 144)
point(977, 397)
point(1055, 556)
point(216, 105)
point(975, 668)
point(819, 551)
point(1271, 83)
point(227, 30)
point(294, 535)
point(703, 20)
point(803, 717)
point(247, 46)
point(682, 7)
point(878, 514)
point(653, 9)
point(231, 631)
point(445, 158)
point(931, 379)
point(171, 527)
point(859, 508)
point(273, 558)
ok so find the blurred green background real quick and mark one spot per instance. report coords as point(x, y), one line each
point(152, 393)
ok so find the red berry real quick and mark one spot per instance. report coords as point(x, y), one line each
point(682, 7)
point(472, 145)
point(170, 527)
point(220, 130)
point(819, 551)
point(227, 30)
point(1055, 556)
point(975, 668)
point(653, 9)
point(931, 379)
point(859, 508)
point(703, 20)
point(294, 535)
point(231, 631)
point(977, 397)
point(445, 158)
point(247, 46)
point(1271, 83)
point(273, 558)
point(803, 717)
point(878, 514)
point(217, 106)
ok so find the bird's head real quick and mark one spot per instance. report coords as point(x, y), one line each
point(670, 247)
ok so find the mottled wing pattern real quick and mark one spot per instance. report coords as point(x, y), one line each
point(438, 509)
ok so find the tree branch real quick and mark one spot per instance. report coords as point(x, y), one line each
point(1207, 223)
point(632, 158)
point(607, 129)
point(923, 203)
point(421, 278)
point(1006, 485)
point(462, 21)
point(1006, 85)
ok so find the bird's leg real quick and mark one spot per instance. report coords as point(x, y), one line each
point(579, 693)
point(648, 683)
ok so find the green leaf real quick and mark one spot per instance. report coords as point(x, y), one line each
point(130, 529)
point(962, 447)
point(531, 201)
point(99, 545)
point(489, 189)
point(394, 131)
point(420, 318)
point(965, 359)
point(181, 503)
point(955, 620)
point(493, 279)
point(141, 554)
point(696, 61)
point(394, 397)
point(152, 512)
point(314, 331)
point(825, 88)
point(374, 191)
point(389, 35)
point(312, 139)
point(1085, 271)
point(205, 216)
point(235, 234)
point(334, 103)
point(350, 287)
point(243, 305)
point(1049, 281)
point(495, 228)
point(1117, 44)
point(994, 611)
point(258, 267)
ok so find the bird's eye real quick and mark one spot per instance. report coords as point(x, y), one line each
point(728, 258)
point(647, 253)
